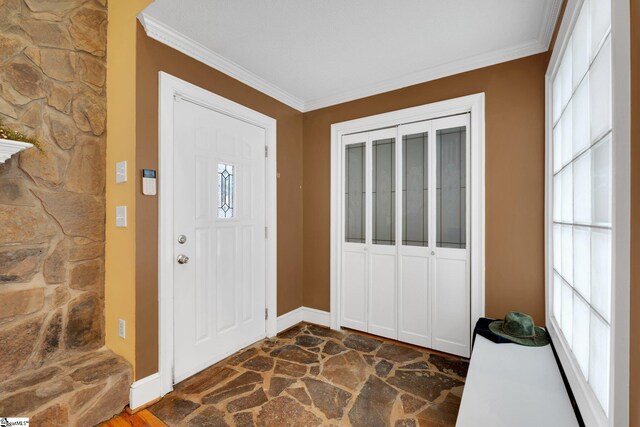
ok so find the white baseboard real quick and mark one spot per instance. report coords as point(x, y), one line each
point(303, 314)
point(144, 391)
point(289, 319)
point(319, 317)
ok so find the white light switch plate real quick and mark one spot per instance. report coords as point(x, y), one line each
point(122, 328)
point(121, 216)
point(121, 172)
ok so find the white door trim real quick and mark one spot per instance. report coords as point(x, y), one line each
point(473, 104)
point(169, 87)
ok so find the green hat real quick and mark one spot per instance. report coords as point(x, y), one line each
point(519, 328)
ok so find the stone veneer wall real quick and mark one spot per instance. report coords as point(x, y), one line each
point(52, 205)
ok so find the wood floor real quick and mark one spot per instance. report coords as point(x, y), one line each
point(143, 418)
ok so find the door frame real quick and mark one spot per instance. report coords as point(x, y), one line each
point(171, 87)
point(473, 104)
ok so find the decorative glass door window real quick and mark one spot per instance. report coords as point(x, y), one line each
point(226, 188)
point(581, 202)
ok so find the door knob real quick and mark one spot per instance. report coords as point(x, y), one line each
point(183, 259)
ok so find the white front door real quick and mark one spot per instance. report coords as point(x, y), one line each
point(405, 260)
point(219, 225)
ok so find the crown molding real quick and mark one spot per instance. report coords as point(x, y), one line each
point(429, 74)
point(551, 13)
point(174, 39)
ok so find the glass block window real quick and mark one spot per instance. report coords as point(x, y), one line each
point(581, 203)
point(226, 191)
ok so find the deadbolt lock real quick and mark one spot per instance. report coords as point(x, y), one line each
point(182, 239)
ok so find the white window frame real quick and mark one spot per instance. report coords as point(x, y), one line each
point(590, 409)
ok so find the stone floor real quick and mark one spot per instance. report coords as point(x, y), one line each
point(80, 390)
point(312, 376)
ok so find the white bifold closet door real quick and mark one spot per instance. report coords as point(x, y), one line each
point(405, 254)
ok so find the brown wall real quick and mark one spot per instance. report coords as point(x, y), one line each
point(634, 401)
point(153, 57)
point(514, 179)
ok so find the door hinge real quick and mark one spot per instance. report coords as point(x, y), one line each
point(266, 313)
point(266, 151)
point(265, 232)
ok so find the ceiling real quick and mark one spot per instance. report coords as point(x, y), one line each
point(315, 53)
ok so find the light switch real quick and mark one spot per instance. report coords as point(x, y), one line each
point(122, 328)
point(121, 172)
point(121, 216)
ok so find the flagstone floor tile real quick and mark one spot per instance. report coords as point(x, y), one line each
point(312, 376)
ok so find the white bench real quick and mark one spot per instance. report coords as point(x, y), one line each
point(514, 385)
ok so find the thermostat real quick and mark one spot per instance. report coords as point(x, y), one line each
point(149, 182)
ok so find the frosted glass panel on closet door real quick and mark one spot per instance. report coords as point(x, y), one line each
point(567, 253)
point(567, 312)
point(601, 182)
point(567, 134)
point(451, 188)
point(567, 194)
point(580, 119)
point(582, 261)
point(581, 317)
point(582, 189)
point(415, 196)
point(601, 272)
point(600, 92)
point(580, 47)
point(384, 191)
point(600, 13)
point(599, 360)
point(354, 193)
